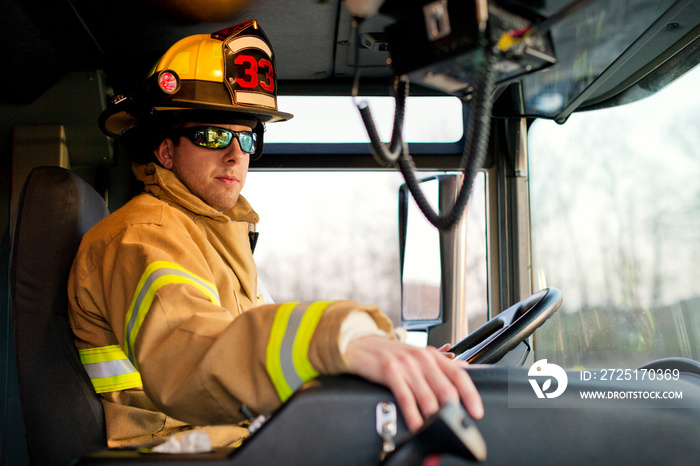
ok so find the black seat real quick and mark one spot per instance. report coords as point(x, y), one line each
point(63, 415)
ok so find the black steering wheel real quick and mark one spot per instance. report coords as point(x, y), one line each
point(490, 342)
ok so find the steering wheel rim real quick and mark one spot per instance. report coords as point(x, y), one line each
point(490, 342)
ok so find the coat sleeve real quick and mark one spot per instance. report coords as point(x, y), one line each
point(198, 361)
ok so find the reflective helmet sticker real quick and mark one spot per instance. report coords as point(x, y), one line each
point(249, 66)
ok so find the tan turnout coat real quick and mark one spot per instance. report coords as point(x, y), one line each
point(169, 324)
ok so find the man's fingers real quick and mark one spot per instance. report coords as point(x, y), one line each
point(419, 367)
point(467, 390)
point(441, 383)
point(445, 351)
point(404, 398)
point(471, 399)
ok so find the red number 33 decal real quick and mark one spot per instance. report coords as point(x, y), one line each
point(251, 80)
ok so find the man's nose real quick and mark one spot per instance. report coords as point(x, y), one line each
point(234, 153)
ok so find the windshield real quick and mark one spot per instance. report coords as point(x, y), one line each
point(604, 30)
point(615, 204)
point(334, 234)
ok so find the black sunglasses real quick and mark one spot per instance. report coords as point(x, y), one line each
point(214, 137)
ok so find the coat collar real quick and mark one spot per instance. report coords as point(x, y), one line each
point(163, 184)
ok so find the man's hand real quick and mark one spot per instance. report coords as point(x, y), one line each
point(421, 379)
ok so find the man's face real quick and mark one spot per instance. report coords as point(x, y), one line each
point(214, 175)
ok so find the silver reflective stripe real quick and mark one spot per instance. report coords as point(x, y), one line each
point(109, 368)
point(143, 291)
point(287, 348)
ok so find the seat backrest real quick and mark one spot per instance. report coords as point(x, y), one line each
point(63, 415)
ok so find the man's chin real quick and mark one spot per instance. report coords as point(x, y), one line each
point(222, 205)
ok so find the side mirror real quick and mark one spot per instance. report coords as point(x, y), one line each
point(432, 262)
point(444, 285)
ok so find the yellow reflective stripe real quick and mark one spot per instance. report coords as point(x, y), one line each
point(101, 354)
point(109, 369)
point(274, 345)
point(288, 347)
point(117, 382)
point(300, 355)
point(157, 275)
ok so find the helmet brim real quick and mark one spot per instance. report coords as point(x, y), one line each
point(116, 121)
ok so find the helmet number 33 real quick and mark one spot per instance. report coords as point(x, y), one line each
point(249, 67)
point(251, 78)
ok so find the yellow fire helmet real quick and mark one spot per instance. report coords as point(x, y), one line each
point(230, 73)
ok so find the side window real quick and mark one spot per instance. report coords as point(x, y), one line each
point(421, 272)
point(334, 234)
point(615, 198)
point(328, 235)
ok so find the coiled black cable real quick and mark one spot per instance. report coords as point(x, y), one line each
point(387, 156)
point(384, 156)
point(475, 147)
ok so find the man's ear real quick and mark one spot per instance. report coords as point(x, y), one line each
point(164, 153)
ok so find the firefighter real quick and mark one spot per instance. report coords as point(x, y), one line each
point(168, 320)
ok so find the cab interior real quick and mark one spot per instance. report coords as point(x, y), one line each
point(63, 61)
